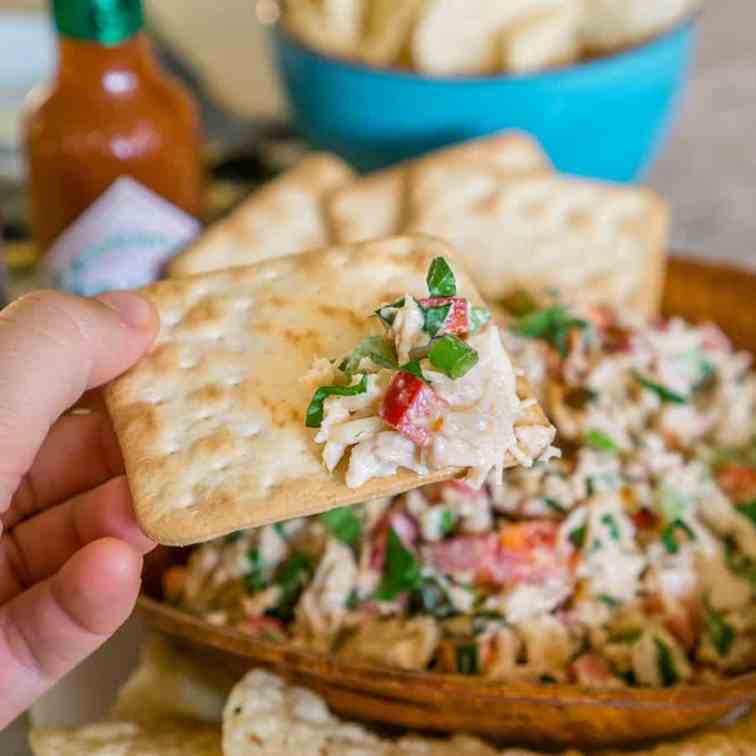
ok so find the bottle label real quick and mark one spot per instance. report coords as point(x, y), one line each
point(121, 241)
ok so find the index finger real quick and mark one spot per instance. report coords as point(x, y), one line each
point(53, 347)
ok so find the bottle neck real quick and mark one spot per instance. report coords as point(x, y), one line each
point(82, 61)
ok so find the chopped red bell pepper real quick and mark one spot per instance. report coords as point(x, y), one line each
point(645, 518)
point(408, 402)
point(737, 481)
point(521, 552)
point(458, 319)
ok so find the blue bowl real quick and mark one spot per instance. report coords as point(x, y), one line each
point(605, 118)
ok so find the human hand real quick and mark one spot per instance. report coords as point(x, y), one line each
point(70, 548)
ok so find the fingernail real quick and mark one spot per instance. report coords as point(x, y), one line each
point(133, 310)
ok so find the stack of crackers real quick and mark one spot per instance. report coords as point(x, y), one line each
point(514, 221)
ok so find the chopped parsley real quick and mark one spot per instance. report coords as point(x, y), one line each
point(605, 598)
point(740, 564)
point(314, 417)
point(577, 536)
point(401, 569)
point(467, 658)
point(380, 351)
point(440, 279)
point(720, 631)
point(611, 523)
point(255, 579)
point(665, 394)
point(429, 597)
point(232, 537)
point(479, 316)
point(413, 368)
point(600, 441)
point(292, 577)
point(669, 535)
point(342, 523)
point(435, 317)
point(447, 523)
point(749, 510)
point(666, 664)
point(387, 313)
point(553, 505)
point(452, 356)
point(553, 325)
point(280, 529)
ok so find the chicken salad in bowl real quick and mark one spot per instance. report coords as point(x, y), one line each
point(628, 560)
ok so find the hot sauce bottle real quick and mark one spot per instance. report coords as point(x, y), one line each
point(113, 153)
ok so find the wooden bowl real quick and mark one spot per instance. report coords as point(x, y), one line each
point(538, 715)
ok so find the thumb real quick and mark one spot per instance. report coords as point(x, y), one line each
point(53, 347)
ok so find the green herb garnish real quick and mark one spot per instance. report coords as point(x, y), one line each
point(387, 313)
point(749, 510)
point(553, 505)
point(435, 317)
point(255, 579)
point(577, 537)
point(280, 529)
point(292, 576)
point(452, 356)
point(479, 316)
point(707, 376)
point(721, 632)
point(380, 351)
point(739, 563)
point(552, 325)
point(467, 659)
point(342, 523)
point(666, 663)
point(669, 538)
point(401, 569)
point(611, 524)
point(314, 417)
point(232, 537)
point(605, 598)
point(599, 440)
point(440, 279)
point(447, 522)
point(430, 598)
point(413, 368)
point(665, 394)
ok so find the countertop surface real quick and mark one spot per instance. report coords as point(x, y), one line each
point(707, 170)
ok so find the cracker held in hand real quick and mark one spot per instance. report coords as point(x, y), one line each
point(212, 422)
point(281, 218)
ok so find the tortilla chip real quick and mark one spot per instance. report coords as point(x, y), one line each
point(388, 26)
point(612, 24)
point(279, 219)
point(211, 422)
point(169, 683)
point(375, 206)
point(544, 38)
point(168, 738)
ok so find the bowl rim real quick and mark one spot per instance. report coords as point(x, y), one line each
point(682, 25)
point(425, 684)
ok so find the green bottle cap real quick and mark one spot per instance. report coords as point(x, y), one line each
point(108, 22)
